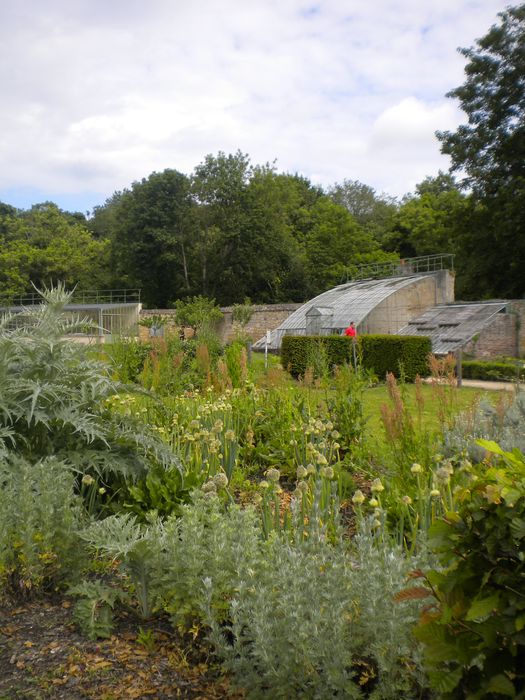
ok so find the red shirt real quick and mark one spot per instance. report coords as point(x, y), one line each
point(350, 331)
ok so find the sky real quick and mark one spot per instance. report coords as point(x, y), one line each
point(96, 94)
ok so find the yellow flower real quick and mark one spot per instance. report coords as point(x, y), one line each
point(406, 500)
point(358, 498)
point(273, 474)
point(301, 472)
point(416, 468)
point(377, 486)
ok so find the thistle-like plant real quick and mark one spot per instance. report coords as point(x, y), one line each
point(136, 548)
point(40, 517)
point(53, 397)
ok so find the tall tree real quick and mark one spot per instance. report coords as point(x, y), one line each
point(490, 152)
point(335, 245)
point(427, 222)
point(219, 185)
point(151, 230)
point(371, 210)
point(43, 246)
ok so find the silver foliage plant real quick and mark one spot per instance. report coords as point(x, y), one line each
point(53, 397)
point(307, 616)
point(310, 616)
point(40, 520)
point(503, 423)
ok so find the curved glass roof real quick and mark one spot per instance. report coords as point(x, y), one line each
point(352, 301)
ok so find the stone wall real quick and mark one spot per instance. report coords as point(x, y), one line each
point(264, 318)
point(500, 338)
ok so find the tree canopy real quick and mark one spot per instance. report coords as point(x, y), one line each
point(489, 153)
point(232, 229)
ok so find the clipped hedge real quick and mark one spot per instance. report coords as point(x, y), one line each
point(390, 353)
point(298, 351)
point(379, 353)
point(492, 371)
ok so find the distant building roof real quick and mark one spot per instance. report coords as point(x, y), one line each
point(451, 326)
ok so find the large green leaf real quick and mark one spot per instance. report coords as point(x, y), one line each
point(446, 680)
point(481, 608)
point(502, 685)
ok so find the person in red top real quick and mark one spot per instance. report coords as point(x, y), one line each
point(351, 331)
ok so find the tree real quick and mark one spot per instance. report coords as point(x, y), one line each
point(199, 313)
point(427, 223)
point(218, 187)
point(335, 243)
point(45, 245)
point(151, 231)
point(372, 211)
point(490, 152)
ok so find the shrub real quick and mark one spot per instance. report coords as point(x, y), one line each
point(297, 350)
point(55, 399)
point(40, 518)
point(207, 541)
point(502, 423)
point(474, 634)
point(312, 620)
point(400, 355)
point(492, 371)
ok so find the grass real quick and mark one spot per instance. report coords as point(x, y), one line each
point(465, 398)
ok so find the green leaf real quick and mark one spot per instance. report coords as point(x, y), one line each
point(502, 685)
point(517, 527)
point(510, 495)
point(481, 608)
point(438, 648)
point(491, 446)
point(519, 623)
point(444, 681)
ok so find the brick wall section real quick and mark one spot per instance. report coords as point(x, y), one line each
point(500, 338)
point(264, 318)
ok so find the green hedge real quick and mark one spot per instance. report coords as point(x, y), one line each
point(300, 351)
point(390, 353)
point(379, 353)
point(492, 371)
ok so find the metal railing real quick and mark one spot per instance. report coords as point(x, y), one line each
point(80, 296)
point(408, 266)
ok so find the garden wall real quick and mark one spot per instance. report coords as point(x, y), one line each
point(505, 335)
point(265, 318)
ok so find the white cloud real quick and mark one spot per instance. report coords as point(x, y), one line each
point(96, 94)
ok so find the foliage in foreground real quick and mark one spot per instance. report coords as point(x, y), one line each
point(40, 520)
point(474, 634)
point(294, 615)
point(54, 398)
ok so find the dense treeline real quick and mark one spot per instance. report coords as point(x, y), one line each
point(232, 229)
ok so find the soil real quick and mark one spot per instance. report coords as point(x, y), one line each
point(44, 656)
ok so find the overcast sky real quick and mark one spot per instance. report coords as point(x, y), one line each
point(99, 93)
